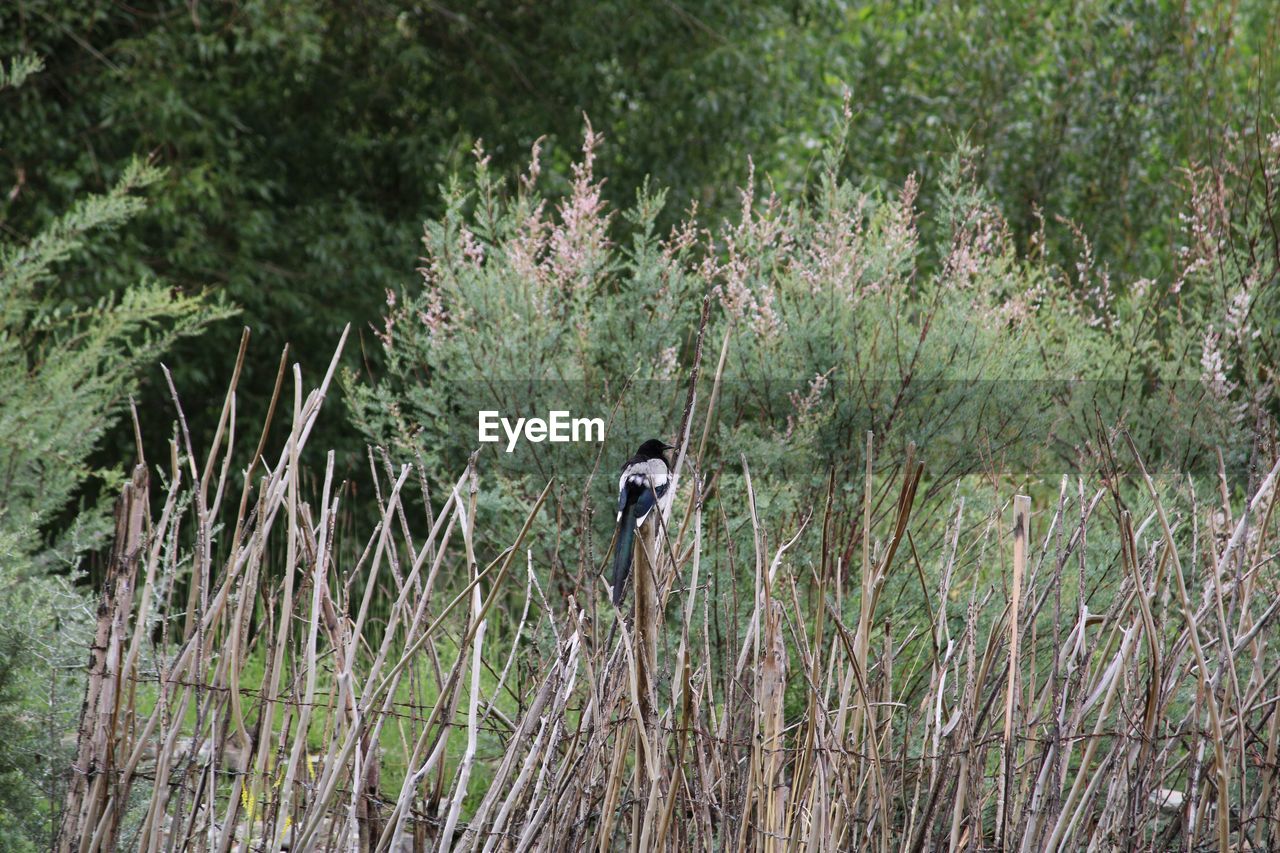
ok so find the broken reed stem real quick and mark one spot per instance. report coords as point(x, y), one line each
point(647, 626)
point(1021, 520)
point(648, 622)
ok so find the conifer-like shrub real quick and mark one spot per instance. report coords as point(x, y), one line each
point(829, 317)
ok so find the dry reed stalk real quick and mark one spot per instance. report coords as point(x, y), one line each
point(1021, 532)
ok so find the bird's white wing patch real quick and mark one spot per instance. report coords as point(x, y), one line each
point(649, 474)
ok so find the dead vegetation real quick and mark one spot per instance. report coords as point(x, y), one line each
point(1006, 716)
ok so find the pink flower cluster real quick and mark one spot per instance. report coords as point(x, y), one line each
point(561, 258)
point(744, 279)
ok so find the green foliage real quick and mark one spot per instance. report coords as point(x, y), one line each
point(45, 627)
point(305, 140)
point(1084, 111)
point(836, 325)
point(69, 366)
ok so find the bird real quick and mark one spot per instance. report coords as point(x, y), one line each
point(644, 481)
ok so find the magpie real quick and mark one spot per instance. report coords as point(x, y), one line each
point(644, 481)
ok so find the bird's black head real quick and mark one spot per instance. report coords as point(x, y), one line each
point(654, 449)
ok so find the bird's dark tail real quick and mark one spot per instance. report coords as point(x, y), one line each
point(622, 551)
